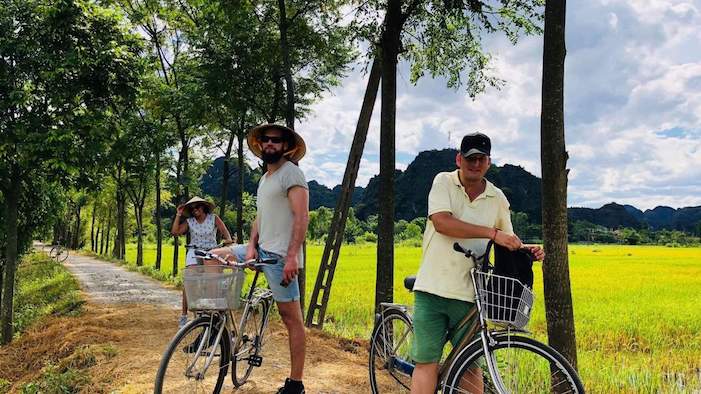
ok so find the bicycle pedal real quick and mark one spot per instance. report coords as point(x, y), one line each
point(256, 361)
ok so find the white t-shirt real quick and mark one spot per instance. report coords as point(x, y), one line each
point(443, 271)
point(274, 212)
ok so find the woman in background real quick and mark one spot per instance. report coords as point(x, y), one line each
point(202, 225)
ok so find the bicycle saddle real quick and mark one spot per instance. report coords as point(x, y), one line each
point(409, 282)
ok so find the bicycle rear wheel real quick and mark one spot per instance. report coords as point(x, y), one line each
point(183, 367)
point(524, 365)
point(249, 342)
point(390, 363)
point(62, 255)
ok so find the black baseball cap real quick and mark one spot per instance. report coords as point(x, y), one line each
point(475, 143)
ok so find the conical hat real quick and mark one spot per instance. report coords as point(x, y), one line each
point(294, 153)
point(193, 200)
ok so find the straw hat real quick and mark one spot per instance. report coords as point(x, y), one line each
point(194, 200)
point(294, 153)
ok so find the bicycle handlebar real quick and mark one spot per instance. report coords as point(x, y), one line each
point(255, 263)
point(475, 258)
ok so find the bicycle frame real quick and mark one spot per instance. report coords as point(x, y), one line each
point(201, 346)
point(486, 336)
point(226, 317)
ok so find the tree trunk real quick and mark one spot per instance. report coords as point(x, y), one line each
point(138, 214)
point(98, 234)
point(177, 199)
point(556, 279)
point(239, 205)
point(120, 241)
point(159, 229)
point(289, 83)
point(93, 241)
point(2, 275)
point(385, 225)
point(226, 174)
point(290, 121)
point(109, 228)
point(12, 196)
point(76, 236)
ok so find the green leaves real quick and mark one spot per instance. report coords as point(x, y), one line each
point(443, 38)
point(66, 62)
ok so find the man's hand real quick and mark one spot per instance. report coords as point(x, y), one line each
point(536, 251)
point(291, 269)
point(511, 242)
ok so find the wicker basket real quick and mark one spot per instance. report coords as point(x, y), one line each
point(212, 287)
point(503, 300)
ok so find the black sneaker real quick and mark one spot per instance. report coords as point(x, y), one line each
point(291, 387)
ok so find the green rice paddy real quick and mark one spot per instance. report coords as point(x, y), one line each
point(637, 309)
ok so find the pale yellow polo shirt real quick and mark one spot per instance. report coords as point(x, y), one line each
point(443, 271)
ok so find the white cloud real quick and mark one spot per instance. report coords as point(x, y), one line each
point(632, 108)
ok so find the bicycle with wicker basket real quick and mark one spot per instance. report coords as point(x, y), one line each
point(495, 356)
point(198, 357)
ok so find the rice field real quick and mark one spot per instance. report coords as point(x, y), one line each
point(637, 309)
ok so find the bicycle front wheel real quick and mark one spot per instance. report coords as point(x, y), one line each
point(246, 353)
point(53, 252)
point(523, 365)
point(390, 363)
point(186, 366)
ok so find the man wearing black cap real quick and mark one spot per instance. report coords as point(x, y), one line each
point(466, 208)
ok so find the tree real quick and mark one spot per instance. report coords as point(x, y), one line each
point(556, 277)
point(60, 62)
point(238, 60)
point(181, 92)
point(443, 38)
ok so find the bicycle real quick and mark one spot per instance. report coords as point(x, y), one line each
point(499, 360)
point(198, 357)
point(58, 252)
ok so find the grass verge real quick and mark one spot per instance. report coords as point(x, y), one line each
point(44, 287)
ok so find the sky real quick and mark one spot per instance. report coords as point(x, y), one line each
point(632, 108)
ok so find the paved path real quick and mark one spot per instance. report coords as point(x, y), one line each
point(109, 283)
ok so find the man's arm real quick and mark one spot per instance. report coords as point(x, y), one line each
point(445, 223)
point(251, 252)
point(299, 204)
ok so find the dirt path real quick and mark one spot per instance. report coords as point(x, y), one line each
point(134, 317)
point(107, 283)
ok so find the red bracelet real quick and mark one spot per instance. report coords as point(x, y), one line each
point(495, 234)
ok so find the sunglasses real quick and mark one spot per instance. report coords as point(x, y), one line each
point(198, 207)
point(274, 140)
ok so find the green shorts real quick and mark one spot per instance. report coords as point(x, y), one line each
point(434, 318)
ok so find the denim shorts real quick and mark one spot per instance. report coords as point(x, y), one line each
point(273, 274)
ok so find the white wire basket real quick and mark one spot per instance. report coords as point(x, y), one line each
point(212, 287)
point(503, 300)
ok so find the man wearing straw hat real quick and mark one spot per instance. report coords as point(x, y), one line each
point(279, 231)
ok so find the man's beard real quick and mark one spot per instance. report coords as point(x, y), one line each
point(271, 157)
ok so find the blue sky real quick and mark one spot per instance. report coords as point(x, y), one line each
point(632, 108)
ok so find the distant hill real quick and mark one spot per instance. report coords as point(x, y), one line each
point(413, 184)
point(319, 195)
point(212, 179)
point(610, 215)
point(322, 196)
